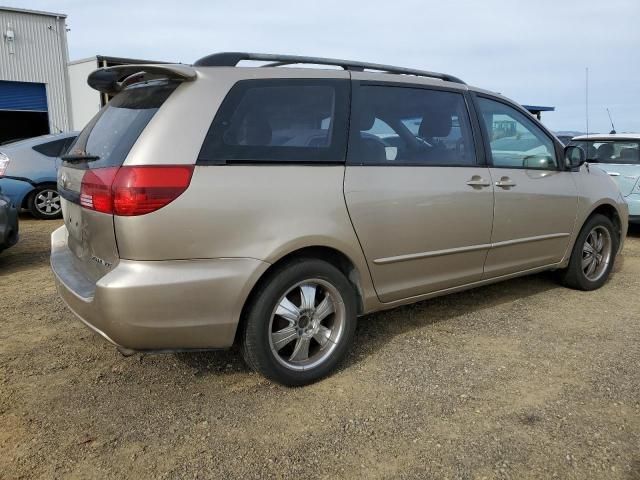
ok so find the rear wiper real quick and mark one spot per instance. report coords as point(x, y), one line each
point(80, 158)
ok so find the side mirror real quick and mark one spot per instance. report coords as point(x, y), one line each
point(574, 156)
point(539, 162)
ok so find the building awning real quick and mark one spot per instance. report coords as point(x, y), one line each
point(535, 109)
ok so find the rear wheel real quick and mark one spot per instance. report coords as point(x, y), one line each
point(593, 255)
point(300, 323)
point(44, 203)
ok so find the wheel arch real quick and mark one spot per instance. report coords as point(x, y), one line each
point(331, 255)
point(36, 186)
point(609, 211)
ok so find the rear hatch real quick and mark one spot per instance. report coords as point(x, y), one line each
point(89, 170)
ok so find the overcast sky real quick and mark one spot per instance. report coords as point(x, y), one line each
point(534, 51)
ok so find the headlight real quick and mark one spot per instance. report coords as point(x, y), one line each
point(4, 163)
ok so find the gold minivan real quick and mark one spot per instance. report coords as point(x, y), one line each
point(270, 206)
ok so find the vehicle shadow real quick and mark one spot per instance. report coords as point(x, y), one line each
point(33, 247)
point(376, 330)
point(634, 230)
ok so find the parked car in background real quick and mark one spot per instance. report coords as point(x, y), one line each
point(212, 203)
point(619, 156)
point(28, 173)
point(8, 222)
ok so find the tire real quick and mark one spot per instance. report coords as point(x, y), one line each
point(306, 303)
point(577, 275)
point(44, 203)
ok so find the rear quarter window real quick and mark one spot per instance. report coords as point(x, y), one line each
point(280, 120)
point(52, 149)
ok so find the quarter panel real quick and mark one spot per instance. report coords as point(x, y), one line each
point(263, 212)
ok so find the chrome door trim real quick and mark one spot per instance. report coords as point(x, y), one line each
point(537, 238)
point(435, 253)
point(470, 248)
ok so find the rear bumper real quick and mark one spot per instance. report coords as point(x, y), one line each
point(158, 305)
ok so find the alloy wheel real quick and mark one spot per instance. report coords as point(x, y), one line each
point(596, 253)
point(47, 202)
point(307, 324)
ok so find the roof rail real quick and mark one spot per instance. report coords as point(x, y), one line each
point(231, 59)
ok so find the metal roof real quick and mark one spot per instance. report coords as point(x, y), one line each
point(538, 108)
point(33, 12)
point(117, 60)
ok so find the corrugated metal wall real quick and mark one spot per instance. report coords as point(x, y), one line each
point(40, 55)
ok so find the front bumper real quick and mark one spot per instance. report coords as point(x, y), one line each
point(16, 189)
point(158, 305)
point(633, 201)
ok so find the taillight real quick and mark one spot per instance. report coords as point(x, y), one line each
point(95, 190)
point(136, 190)
point(140, 190)
point(4, 163)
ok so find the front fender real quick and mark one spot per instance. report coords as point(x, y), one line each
point(16, 190)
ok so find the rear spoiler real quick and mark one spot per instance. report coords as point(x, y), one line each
point(112, 80)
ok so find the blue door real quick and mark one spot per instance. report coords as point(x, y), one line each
point(23, 96)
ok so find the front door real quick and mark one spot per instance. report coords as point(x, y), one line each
point(421, 205)
point(535, 199)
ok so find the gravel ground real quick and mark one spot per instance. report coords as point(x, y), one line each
point(523, 379)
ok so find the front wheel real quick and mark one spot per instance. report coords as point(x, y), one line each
point(44, 203)
point(593, 255)
point(300, 323)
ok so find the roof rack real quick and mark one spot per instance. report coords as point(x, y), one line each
point(231, 59)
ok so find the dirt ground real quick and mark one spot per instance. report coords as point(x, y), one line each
point(523, 379)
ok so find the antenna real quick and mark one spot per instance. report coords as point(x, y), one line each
point(587, 97)
point(613, 129)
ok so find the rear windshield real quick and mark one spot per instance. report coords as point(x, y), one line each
point(113, 131)
point(603, 151)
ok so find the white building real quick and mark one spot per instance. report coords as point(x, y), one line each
point(34, 83)
point(85, 101)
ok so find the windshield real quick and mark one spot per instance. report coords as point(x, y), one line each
point(619, 151)
point(108, 138)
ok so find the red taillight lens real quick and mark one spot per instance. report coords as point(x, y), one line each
point(95, 191)
point(129, 191)
point(140, 190)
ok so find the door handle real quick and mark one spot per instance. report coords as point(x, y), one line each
point(614, 174)
point(505, 182)
point(478, 181)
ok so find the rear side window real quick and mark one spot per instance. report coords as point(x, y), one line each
point(280, 120)
point(114, 130)
point(55, 148)
point(393, 125)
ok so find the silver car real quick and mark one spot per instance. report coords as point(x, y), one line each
point(213, 204)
